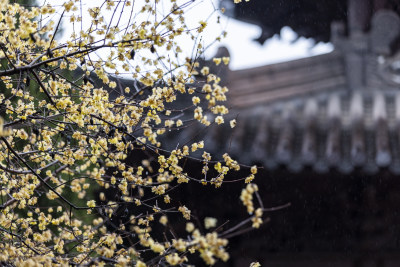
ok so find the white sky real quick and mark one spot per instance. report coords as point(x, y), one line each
point(245, 52)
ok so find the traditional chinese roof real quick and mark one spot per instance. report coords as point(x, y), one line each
point(305, 114)
point(339, 130)
point(271, 83)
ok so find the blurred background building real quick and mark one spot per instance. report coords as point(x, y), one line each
point(326, 130)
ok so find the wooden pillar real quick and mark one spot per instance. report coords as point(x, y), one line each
point(359, 17)
point(359, 14)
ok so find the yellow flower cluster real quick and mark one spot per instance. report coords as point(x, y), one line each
point(81, 149)
point(185, 212)
point(257, 219)
point(247, 197)
point(218, 60)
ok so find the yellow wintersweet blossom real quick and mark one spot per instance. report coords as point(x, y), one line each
point(217, 60)
point(203, 25)
point(225, 60)
point(91, 203)
point(257, 219)
point(219, 120)
point(163, 220)
point(253, 169)
point(195, 100)
point(232, 123)
point(210, 222)
point(247, 197)
point(173, 259)
point(190, 227)
point(185, 212)
point(4, 132)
